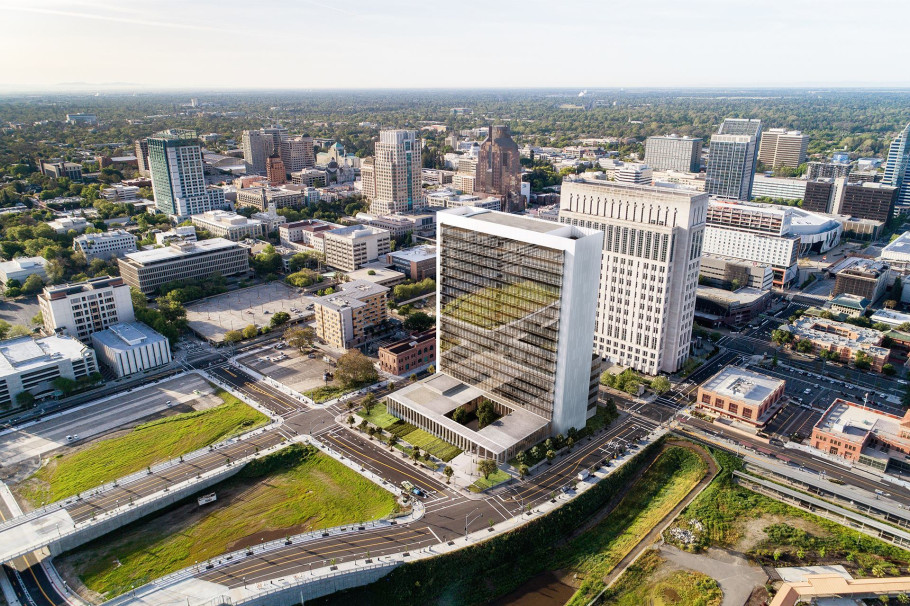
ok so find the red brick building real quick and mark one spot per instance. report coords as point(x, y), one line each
point(406, 355)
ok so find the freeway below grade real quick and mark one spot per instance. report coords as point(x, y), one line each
point(27, 577)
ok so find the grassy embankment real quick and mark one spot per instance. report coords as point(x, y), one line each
point(145, 445)
point(294, 490)
point(596, 552)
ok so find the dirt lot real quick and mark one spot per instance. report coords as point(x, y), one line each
point(753, 531)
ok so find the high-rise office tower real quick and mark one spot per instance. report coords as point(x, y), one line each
point(782, 147)
point(515, 323)
point(395, 173)
point(297, 153)
point(649, 273)
point(178, 180)
point(142, 156)
point(274, 170)
point(498, 170)
point(897, 167)
point(731, 159)
point(257, 147)
point(672, 152)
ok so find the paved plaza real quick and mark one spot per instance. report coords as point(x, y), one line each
point(210, 318)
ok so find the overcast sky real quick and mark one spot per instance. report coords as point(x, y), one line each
point(187, 44)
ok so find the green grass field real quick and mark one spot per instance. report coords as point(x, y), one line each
point(295, 490)
point(596, 552)
point(498, 477)
point(327, 392)
point(379, 416)
point(640, 585)
point(146, 444)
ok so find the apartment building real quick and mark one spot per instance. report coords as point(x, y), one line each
point(897, 167)
point(840, 338)
point(81, 309)
point(228, 225)
point(351, 247)
point(178, 176)
point(31, 365)
point(674, 153)
point(107, 245)
point(651, 251)
point(346, 318)
point(185, 261)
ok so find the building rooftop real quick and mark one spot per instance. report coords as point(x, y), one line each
point(858, 266)
point(839, 334)
point(416, 253)
point(743, 295)
point(889, 316)
point(381, 273)
point(521, 222)
point(225, 218)
point(853, 422)
point(900, 247)
point(179, 249)
point(439, 395)
point(356, 231)
point(62, 290)
point(24, 353)
point(411, 342)
point(349, 294)
point(127, 335)
point(850, 301)
point(743, 385)
point(22, 263)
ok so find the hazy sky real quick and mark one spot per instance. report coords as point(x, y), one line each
point(50, 44)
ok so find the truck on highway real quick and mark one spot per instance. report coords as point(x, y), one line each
point(583, 475)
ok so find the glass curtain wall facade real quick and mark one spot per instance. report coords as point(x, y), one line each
point(499, 316)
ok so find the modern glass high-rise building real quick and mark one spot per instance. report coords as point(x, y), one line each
point(732, 156)
point(178, 180)
point(897, 167)
point(516, 303)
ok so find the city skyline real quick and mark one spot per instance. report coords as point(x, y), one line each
point(233, 29)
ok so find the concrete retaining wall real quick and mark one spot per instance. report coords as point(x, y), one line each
point(316, 588)
point(103, 526)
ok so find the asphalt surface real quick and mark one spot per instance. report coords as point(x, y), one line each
point(27, 577)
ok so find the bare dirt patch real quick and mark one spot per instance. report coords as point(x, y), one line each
point(752, 532)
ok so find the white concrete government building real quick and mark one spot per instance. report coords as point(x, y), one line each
point(515, 323)
point(132, 347)
point(652, 249)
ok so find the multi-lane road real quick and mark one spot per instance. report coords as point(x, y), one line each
point(450, 511)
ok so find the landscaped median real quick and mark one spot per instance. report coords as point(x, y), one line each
point(160, 440)
point(294, 490)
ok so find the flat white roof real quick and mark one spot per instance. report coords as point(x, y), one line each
point(175, 251)
point(127, 335)
point(743, 385)
point(24, 353)
point(417, 253)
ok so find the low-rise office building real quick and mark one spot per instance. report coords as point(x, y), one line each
point(345, 318)
point(181, 233)
point(416, 263)
point(726, 272)
point(778, 188)
point(897, 254)
point(183, 261)
point(377, 273)
point(349, 248)
point(31, 365)
point(128, 348)
point(21, 268)
point(107, 245)
point(842, 339)
point(889, 317)
point(62, 225)
point(309, 233)
point(864, 436)
point(733, 308)
point(401, 225)
point(83, 308)
point(866, 278)
point(409, 355)
point(225, 224)
point(741, 395)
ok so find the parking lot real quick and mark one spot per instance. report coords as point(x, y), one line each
point(28, 443)
point(290, 367)
point(212, 317)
